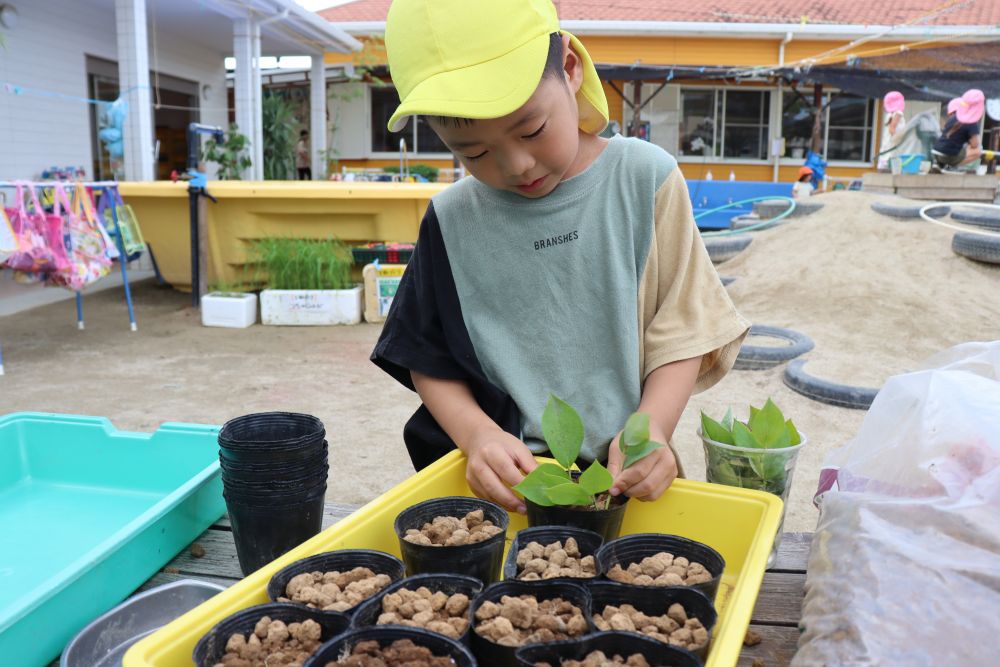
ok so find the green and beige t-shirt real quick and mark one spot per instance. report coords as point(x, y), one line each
point(581, 293)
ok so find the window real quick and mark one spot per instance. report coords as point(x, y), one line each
point(419, 136)
point(724, 123)
point(847, 125)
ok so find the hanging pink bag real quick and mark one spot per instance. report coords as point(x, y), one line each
point(88, 253)
point(40, 234)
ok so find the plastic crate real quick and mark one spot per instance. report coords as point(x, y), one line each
point(739, 523)
point(89, 513)
point(382, 253)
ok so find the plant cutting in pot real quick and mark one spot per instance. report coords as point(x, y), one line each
point(758, 453)
point(556, 494)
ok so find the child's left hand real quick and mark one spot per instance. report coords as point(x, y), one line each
point(650, 477)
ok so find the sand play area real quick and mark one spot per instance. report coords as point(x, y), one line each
point(877, 295)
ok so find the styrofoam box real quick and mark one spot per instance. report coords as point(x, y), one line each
point(311, 307)
point(229, 309)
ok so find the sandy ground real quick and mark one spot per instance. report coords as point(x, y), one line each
point(877, 296)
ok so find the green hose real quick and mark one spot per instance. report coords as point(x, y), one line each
point(729, 232)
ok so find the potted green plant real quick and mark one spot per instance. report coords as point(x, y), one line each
point(308, 282)
point(229, 306)
point(758, 453)
point(556, 494)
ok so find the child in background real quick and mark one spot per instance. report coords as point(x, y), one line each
point(803, 187)
point(566, 263)
point(895, 125)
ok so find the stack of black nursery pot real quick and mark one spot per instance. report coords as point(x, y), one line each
point(274, 469)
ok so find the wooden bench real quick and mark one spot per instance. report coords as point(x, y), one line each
point(775, 618)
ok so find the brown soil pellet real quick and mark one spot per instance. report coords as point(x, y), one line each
point(600, 659)
point(451, 531)
point(758, 662)
point(334, 591)
point(516, 621)
point(751, 638)
point(661, 569)
point(401, 653)
point(273, 644)
point(197, 550)
point(673, 628)
point(536, 561)
point(435, 611)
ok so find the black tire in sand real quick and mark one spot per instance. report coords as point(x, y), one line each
point(768, 209)
point(831, 393)
point(981, 218)
point(724, 248)
point(761, 357)
point(908, 211)
point(978, 247)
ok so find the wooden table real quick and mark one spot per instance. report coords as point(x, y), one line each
point(775, 618)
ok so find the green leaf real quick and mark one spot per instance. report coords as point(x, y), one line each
point(742, 437)
point(768, 427)
point(536, 483)
point(569, 494)
point(753, 413)
point(596, 479)
point(554, 470)
point(563, 431)
point(640, 452)
point(793, 433)
point(713, 430)
point(727, 421)
point(636, 430)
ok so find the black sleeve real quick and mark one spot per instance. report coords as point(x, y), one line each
point(413, 337)
point(425, 332)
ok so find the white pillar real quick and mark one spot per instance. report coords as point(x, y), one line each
point(257, 138)
point(317, 116)
point(245, 98)
point(133, 74)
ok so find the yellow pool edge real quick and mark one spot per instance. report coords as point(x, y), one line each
point(735, 609)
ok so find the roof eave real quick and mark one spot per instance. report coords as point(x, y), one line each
point(737, 30)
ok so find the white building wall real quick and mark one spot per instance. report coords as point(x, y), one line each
point(349, 119)
point(47, 51)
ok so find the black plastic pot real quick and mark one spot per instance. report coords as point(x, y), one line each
point(270, 430)
point(611, 643)
point(273, 497)
point(633, 548)
point(481, 560)
point(606, 523)
point(267, 455)
point(284, 486)
point(495, 655)
point(655, 601)
point(335, 561)
point(386, 635)
point(273, 470)
point(367, 612)
point(265, 533)
point(587, 540)
point(210, 648)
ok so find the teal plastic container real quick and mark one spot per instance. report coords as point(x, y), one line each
point(87, 514)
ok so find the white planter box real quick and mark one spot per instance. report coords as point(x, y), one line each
point(310, 307)
point(229, 309)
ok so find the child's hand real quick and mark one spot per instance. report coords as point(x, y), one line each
point(497, 461)
point(650, 477)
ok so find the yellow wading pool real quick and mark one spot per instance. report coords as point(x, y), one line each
point(248, 210)
point(739, 523)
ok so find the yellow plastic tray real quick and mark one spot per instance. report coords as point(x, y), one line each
point(739, 523)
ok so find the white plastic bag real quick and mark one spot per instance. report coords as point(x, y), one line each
point(905, 563)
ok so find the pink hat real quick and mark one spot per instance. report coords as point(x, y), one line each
point(971, 106)
point(953, 105)
point(894, 101)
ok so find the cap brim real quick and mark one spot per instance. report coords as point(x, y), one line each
point(490, 89)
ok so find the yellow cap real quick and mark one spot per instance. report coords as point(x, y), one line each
point(478, 59)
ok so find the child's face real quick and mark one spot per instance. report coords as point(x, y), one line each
point(530, 150)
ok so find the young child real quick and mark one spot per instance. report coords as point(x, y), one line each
point(803, 187)
point(567, 263)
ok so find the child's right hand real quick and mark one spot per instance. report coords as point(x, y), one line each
point(497, 461)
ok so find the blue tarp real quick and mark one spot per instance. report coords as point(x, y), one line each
point(707, 195)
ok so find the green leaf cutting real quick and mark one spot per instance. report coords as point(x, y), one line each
point(563, 431)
